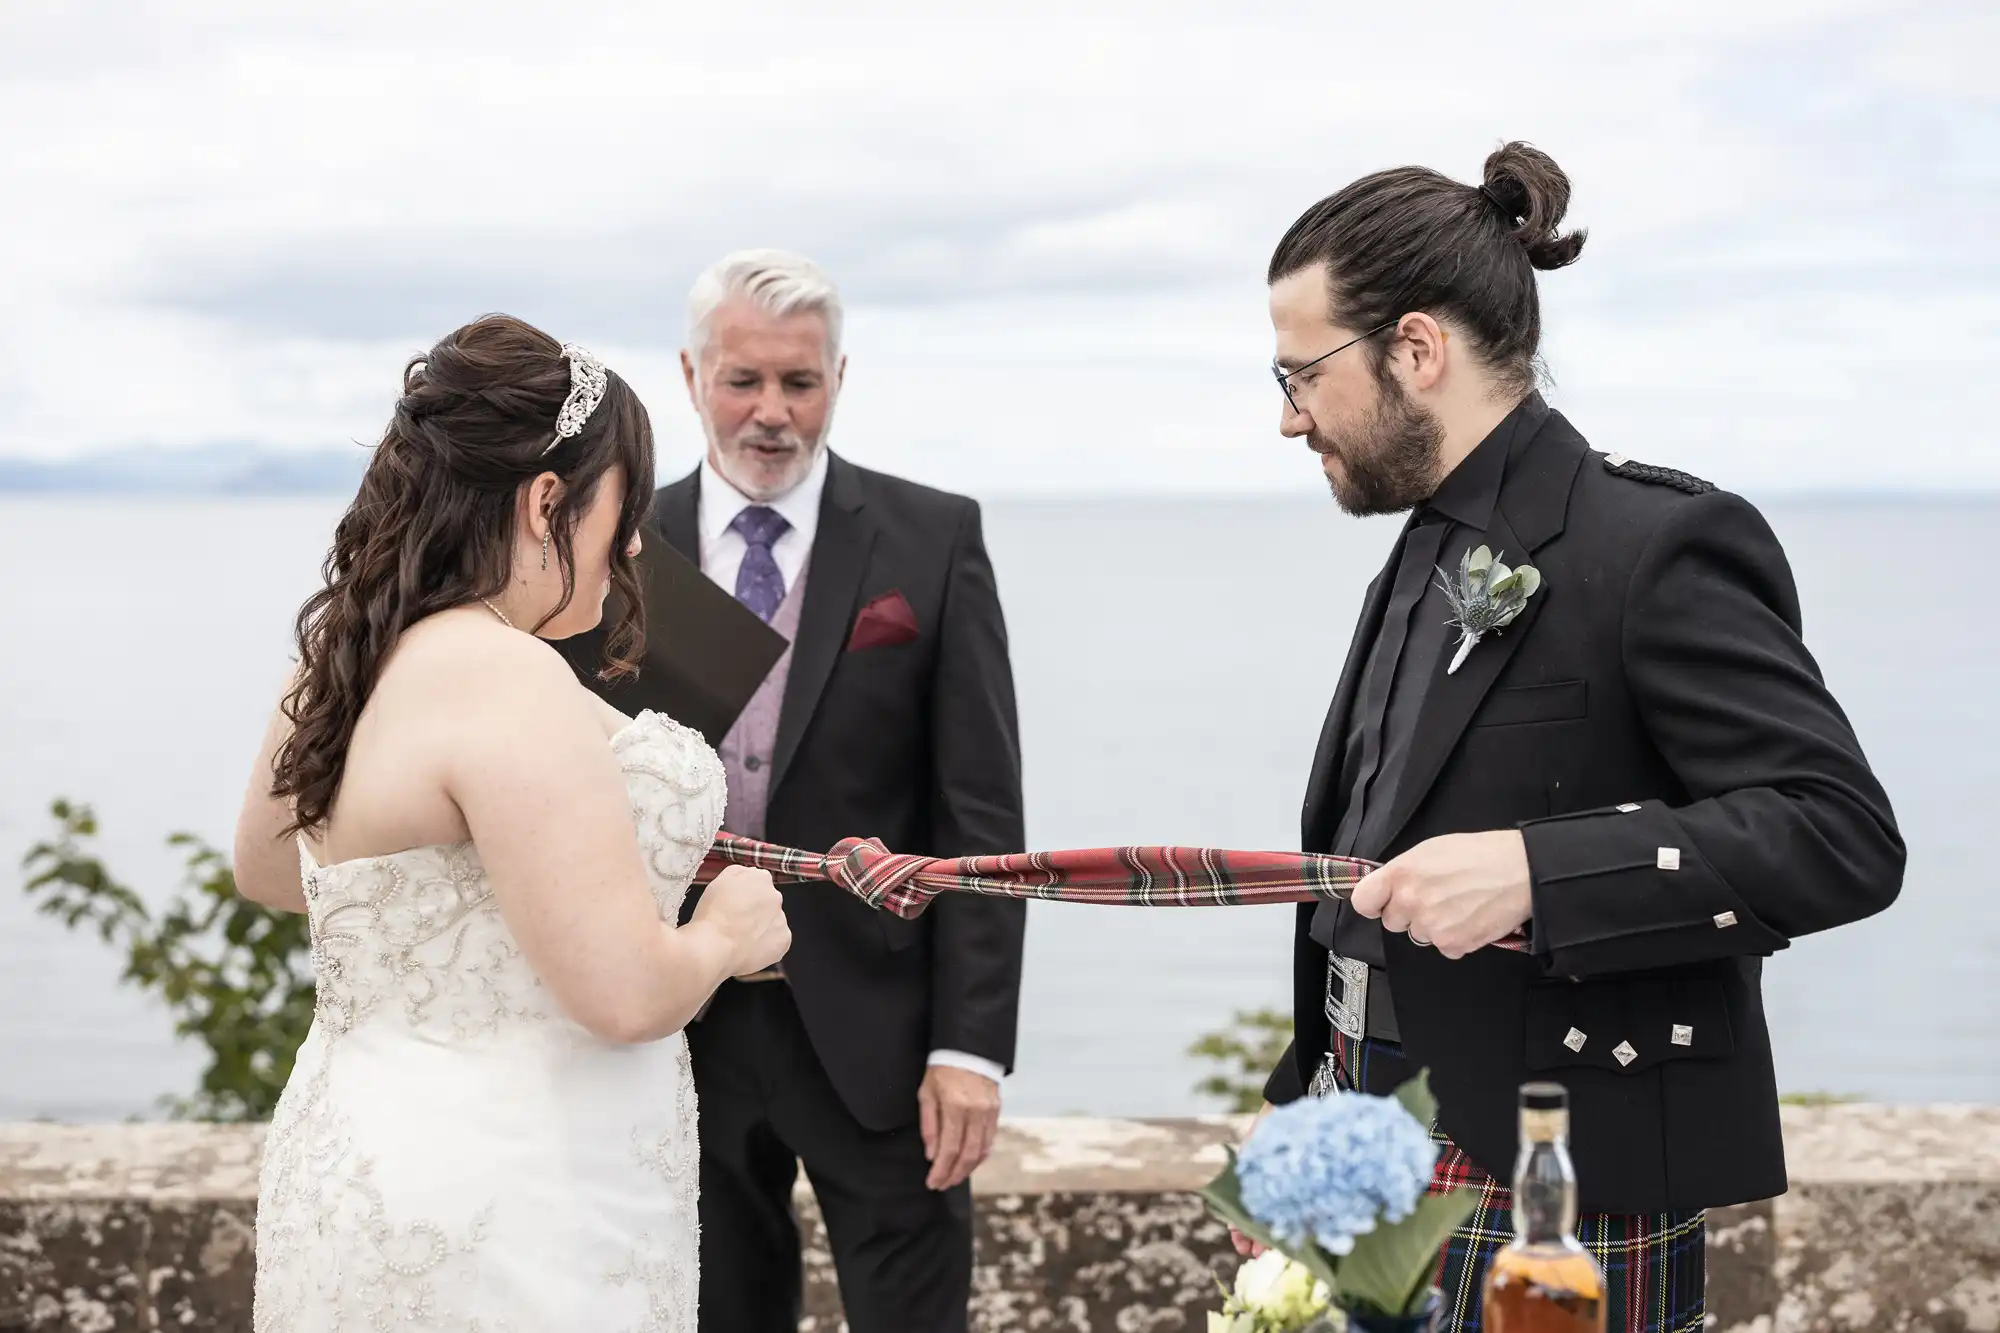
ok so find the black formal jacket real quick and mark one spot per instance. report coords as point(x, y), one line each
point(1655, 694)
point(914, 743)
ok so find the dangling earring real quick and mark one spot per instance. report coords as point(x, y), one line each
point(545, 550)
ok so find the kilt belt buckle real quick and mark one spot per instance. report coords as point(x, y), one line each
point(1347, 996)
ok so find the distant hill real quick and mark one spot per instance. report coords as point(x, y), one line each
point(214, 470)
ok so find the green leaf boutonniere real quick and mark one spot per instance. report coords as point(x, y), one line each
point(1485, 598)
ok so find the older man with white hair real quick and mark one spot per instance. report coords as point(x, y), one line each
point(874, 1054)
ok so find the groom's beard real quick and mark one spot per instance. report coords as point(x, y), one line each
point(1389, 460)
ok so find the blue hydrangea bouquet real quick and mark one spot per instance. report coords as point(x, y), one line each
point(1338, 1186)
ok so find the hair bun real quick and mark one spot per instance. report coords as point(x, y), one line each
point(1534, 193)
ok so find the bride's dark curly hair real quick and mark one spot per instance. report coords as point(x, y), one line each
point(433, 527)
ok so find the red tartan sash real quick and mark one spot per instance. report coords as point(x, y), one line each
point(1109, 876)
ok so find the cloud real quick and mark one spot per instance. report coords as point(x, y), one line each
point(632, 283)
point(235, 221)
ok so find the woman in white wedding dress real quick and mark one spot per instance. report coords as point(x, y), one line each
point(491, 1125)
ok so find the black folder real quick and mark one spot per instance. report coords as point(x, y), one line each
point(706, 653)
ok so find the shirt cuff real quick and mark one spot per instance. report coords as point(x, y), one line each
point(977, 1064)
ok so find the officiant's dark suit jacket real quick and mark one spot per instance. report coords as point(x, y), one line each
point(915, 743)
point(1692, 799)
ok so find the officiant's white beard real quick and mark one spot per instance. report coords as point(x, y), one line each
point(761, 481)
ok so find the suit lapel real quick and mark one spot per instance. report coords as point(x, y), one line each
point(833, 587)
point(676, 513)
point(1535, 495)
point(1315, 823)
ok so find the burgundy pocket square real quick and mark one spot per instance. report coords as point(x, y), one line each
point(883, 623)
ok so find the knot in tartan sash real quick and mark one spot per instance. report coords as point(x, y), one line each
point(881, 878)
point(905, 885)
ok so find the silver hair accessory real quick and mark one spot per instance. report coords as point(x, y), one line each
point(587, 382)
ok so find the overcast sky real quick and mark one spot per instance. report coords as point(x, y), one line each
point(227, 222)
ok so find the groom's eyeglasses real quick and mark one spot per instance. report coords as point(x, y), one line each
point(1284, 377)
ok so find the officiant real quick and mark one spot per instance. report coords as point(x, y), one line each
point(875, 1052)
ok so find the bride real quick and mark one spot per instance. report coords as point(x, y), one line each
point(491, 1124)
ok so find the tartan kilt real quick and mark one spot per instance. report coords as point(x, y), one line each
point(1655, 1264)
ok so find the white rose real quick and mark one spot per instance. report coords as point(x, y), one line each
point(1296, 1298)
point(1256, 1279)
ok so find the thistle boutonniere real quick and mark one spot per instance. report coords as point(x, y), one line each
point(1485, 598)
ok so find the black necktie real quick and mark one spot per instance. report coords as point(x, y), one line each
point(1357, 936)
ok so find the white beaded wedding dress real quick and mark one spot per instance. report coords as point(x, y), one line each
point(452, 1153)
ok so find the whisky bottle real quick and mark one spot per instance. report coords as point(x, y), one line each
point(1544, 1281)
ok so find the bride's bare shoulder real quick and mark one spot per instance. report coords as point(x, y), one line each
point(466, 665)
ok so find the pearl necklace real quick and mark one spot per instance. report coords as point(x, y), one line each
point(498, 612)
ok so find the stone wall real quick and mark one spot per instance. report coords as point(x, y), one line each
point(1892, 1223)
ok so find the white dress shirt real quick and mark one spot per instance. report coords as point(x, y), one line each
point(722, 557)
point(722, 549)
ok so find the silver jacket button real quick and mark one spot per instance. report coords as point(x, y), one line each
point(1669, 858)
point(1724, 920)
point(1623, 1050)
point(1575, 1040)
point(1683, 1035)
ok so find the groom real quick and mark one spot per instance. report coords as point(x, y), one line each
point(1644, 769)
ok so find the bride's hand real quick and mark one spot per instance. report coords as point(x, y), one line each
point(747, 908)
point(1245, 1246)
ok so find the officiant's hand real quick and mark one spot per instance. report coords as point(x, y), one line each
point(959, 1113)
point(1456, 893)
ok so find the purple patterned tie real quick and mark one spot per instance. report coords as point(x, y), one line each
point(760, 584)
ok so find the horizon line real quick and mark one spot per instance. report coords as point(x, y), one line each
point(244, 489)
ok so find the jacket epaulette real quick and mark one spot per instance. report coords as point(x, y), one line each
point(1621, 466)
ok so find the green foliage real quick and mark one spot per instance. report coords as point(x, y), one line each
point(235, 976)
point(1390, 1268)
point(1247, 1051)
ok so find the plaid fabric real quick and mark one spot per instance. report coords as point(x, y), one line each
point(1131, 876)
point(1655, 1264)
point(1112, 876)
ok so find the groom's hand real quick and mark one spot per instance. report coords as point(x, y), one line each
point(959, 1113)
point(1458, 892)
